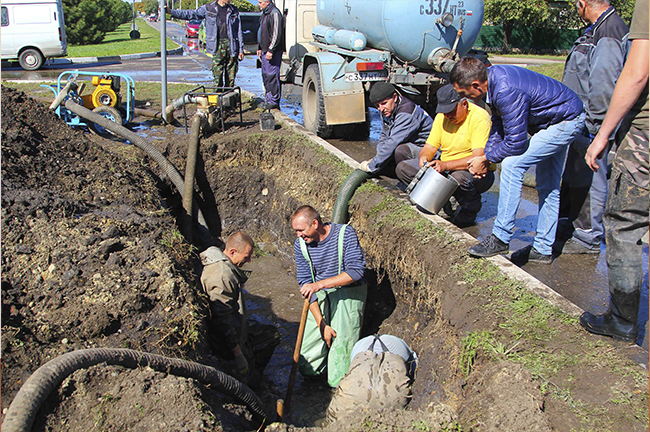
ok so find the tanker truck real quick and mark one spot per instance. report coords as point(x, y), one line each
point(335, 50)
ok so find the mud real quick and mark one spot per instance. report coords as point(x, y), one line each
point(92, 256)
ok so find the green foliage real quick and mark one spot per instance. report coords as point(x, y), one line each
point(150, 6)
point(88, 21)
point(511, 13)
point(533, 15)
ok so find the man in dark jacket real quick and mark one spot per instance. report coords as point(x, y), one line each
point(522, 102)
point(403, 122)
point(223, 37)
point(592, 69)
point(271, 46)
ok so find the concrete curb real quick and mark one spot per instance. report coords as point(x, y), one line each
point(504, 264)
point(85, 60)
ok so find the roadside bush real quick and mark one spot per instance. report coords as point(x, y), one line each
point(88, 21)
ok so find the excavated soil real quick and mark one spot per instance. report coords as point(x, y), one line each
point(92, 256)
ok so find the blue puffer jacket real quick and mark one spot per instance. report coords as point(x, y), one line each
point(522, 102)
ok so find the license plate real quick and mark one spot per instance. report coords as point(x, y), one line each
point(365, 76)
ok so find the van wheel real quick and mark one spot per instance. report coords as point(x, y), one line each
point(313, 104)
point(111, 114)
point(31, 59)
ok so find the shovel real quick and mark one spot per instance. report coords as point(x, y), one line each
point(282, 406)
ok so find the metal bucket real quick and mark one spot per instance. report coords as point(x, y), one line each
point(267, 121)
point(431, 189)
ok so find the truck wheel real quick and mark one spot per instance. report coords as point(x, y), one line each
point(110, 113)
point(31, 59)
point(313, 104)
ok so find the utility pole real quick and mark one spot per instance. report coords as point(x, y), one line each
point(163, 57)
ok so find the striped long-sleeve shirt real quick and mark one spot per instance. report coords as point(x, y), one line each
point(325, 258)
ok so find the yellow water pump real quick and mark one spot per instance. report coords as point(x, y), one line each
point(106, 93)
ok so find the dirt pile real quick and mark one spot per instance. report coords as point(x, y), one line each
point(90, 258)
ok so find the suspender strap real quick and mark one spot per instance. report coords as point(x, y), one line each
point(305, 253)
point(383, 345)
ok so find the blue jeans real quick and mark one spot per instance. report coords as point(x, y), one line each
point(547, 149)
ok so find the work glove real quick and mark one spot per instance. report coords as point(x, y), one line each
point(364, 165)
point(242, 365)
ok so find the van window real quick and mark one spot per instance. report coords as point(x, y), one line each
point(32, 15)
point(5, 16)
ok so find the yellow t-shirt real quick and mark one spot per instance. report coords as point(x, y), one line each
point(458, 141)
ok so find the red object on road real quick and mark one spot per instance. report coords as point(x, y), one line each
point(192, 28)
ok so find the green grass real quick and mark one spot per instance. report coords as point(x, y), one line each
point(555, 70)
point(119, 42)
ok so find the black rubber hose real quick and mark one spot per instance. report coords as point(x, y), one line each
point(190, 168)
point(23, 409)
point(154, 153)
point(349, 187)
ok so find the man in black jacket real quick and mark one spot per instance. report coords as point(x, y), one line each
point(592, 69)
point(271, 46)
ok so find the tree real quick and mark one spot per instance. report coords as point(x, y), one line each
point(88, 21)
point(511, 13)
point(150, 6)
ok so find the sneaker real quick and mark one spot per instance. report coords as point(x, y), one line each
point(530, 254)
point(490, 246)
point(571, 246)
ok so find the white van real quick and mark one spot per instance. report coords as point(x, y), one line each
point(32, 30)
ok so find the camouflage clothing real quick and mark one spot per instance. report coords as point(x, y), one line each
point(224, 67)
point(626, 222)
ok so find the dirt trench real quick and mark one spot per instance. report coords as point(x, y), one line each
point(92, 257)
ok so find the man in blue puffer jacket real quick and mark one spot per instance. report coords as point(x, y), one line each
point(522, 102)
point(224, 39)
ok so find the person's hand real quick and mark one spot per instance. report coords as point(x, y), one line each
point(478, 166)
point(596, 151)
point(241, 56)
point(328, 333)
point(242, 365)
point(364, 165)
point(438, 165)
point(259, 53)
point(423, 161)
point(269, 55)
point(307, 290)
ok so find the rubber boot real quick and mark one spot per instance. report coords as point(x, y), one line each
point(620, 321)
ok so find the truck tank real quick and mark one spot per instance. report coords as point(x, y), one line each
point(412, 30)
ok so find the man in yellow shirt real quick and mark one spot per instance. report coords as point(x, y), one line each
point(460, 131)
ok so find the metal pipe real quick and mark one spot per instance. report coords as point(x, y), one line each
point(163, 54)
point(179, 102)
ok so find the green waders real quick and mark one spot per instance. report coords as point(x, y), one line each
point(342, 309)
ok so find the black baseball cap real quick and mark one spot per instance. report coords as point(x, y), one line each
point(448, 98)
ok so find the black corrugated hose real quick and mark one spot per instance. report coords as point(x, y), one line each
point(23, 409)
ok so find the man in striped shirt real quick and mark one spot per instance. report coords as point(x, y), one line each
point(329, 269)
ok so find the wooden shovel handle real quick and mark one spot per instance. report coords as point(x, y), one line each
point(283, 408)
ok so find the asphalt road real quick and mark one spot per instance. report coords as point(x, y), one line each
point(580, 278)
